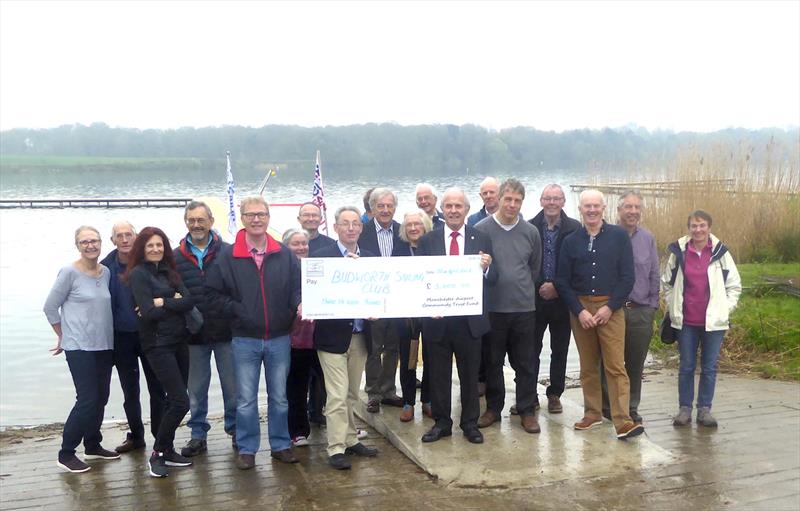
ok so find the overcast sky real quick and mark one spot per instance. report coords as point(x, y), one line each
point(553, 66)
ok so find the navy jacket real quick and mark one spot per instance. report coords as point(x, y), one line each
point(333, 335)
point(320, 241)
point(369, 239)
point(261, 302)
point(122, 304)
point(474, 241)
point(216, 326)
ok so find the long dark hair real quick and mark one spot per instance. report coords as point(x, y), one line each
point(136, 256)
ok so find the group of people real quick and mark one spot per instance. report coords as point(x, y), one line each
point(593, 280)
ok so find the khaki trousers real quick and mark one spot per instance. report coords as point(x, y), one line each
point(342, 382)
point(606, 342)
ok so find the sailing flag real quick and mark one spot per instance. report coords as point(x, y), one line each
point(231, 204)
point(318, 197)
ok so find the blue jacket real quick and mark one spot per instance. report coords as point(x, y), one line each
point(122, 304)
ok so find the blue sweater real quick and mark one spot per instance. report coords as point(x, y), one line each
point(604, 270)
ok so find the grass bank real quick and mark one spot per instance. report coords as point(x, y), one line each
point(34, 163)
point(764, 339)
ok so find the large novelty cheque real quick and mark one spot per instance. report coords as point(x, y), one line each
point(396, 287)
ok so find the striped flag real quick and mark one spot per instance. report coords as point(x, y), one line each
point(318, 197)
point(231, 203)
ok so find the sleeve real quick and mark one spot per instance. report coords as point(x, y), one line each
point(654, 274)
point(183, 304)
point(666, 278)
point(733, 283)
point(143, 296)
point(491, 276)
point(294, 281)
point(536, 259)
point(219, 288)
point(563, 275)
point(626, 274)
point(57, 296)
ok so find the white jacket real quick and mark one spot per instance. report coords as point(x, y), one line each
point(725, 286)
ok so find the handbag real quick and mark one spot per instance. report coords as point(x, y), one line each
point(668, 334)
point(194, 321)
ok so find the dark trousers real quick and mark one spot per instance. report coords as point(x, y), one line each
point(512, 333)
point(408, 377)
point(316, 393)
point(91, 374)
point(555, 315)
point(457, 340)
point(297, 388)
point(171, 365)
point(127, 352)
point(486, 356)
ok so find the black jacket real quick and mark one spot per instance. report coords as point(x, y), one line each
point(333, 335)
point(369, 240)
point(262, 303)
point(216, 327)
point(568, 226)
point(159, 326)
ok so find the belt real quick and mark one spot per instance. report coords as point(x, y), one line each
point(633, 305)
point(594, 298)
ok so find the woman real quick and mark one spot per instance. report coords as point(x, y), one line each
point(701, 287)
point(304, 356)
point(85, 331)
point(163, 301)
point(415, 225)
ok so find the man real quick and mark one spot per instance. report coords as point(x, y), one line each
point(381, 236)
point(456, 335)
point(512, 306)
point(194, 258)
point(426, 201)
point(310, 216)
point(552, 312)
point(594, 278)
point(127, 348)
point(342, 348)
point(489, 189)
point(642, 302)
point(256, 281)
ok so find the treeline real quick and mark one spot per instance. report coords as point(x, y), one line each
point(417, 150)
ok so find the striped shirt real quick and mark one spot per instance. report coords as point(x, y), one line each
point(385, 239)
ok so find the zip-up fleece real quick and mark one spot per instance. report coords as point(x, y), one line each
point(262, 303)
point(724, 284)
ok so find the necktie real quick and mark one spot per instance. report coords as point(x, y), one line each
point(453, 243)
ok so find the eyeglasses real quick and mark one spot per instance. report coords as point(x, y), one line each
point(310, 215)
point(260, 215)
point(349, 225)
point(552, 199)
point(86, 243)
point(198, 221)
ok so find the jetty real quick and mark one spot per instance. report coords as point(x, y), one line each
point(152, 202)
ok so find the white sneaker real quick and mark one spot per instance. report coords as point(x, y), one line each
point(300, 441)
point(361, 434)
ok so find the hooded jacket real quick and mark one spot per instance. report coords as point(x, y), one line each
point(724, 284)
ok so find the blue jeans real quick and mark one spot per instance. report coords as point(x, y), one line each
point(91, 374)
point(200, 379)
point(710, 343)
point(249, 355)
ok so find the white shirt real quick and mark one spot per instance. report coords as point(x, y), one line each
point(459, 239)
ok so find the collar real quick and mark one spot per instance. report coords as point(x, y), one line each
point(378, 227)
point(344, 250)
point(208, 245)
point(461, 231)
point(241, 248)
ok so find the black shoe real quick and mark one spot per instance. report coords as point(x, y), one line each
point(130, 444)
point(98, 453)
point(435, 433)
point(360, 449)
point(173, 459)
point(72, 463)
point(194, 447)
point(417, 384)
point(393, 401)
point(636, 418)
point(473, 435)
point(156, 465)
point(339, 462)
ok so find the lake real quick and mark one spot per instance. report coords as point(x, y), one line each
point(35, 387)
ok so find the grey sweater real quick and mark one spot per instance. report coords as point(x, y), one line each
point(85, 316)
point(517, 258)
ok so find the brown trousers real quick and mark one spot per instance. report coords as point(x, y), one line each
point(606, 341)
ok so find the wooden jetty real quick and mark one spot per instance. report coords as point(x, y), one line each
point(657, 188)
point(153, 202)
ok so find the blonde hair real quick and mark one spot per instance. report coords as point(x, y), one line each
point(253, 199)
point(427, 224)
point(82, 228)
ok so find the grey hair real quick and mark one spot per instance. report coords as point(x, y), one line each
point(424, 218)
point(553, 185)
point(591, 191)
point(629, 193)
point(291, 232)
point(429, 186)
point(489, 180)
point(512, 185)
point(343, 209)
point(379, 193)
point(114, 227)
point(197, 204)
point(456, 189)
point(82, 228)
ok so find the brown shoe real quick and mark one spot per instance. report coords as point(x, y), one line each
point(427, 411)
point(481, 389)
point(373, 406)
point(407, 414)
point(587, 423)
point(530, 424)
point(487, 419)
point(629, 430)
point(554, 404)
point(286, 456)
point(245, 461)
